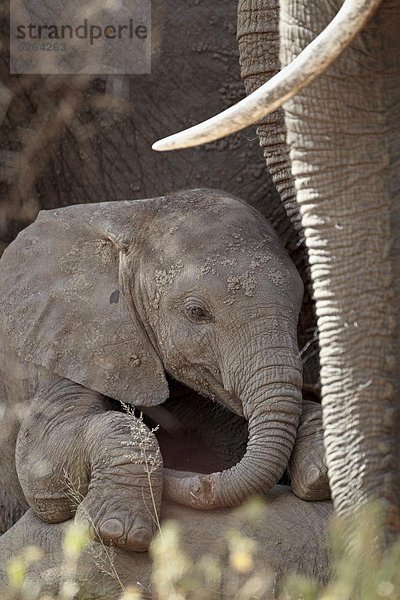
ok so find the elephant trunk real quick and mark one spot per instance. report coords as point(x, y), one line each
point(271, 400)
point(258, 38)
point(346, 164)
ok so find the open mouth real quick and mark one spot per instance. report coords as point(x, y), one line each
point(197, 434)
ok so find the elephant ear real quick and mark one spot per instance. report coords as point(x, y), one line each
point(61, 304)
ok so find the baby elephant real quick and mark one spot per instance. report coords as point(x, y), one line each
point(101, 303)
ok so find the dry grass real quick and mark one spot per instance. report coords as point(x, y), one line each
point(360, 570)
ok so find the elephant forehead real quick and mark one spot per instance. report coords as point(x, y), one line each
point(215, 241)
point(257, 274)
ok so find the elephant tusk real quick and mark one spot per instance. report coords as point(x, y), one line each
point(311, 62)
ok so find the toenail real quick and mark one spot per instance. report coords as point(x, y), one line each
point(312, 476)
point(112, 528)
point(140, 539)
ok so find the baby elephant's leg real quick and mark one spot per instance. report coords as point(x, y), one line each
point(307, 467)
point(75, 455)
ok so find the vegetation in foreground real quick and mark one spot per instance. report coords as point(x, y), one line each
point(359, 570)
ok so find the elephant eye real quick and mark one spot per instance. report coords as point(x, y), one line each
point(198, 313)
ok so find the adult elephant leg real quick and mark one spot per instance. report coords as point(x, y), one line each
point(344, 134)
point(75, 454)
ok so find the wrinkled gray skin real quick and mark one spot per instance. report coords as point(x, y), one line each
point(290, 536)
point(103, 300)
point(343, 132)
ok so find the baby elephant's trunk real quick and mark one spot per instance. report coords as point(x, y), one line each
point(271, 399)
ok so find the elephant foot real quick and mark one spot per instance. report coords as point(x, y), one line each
point(123, 499)
point(122, 511)
point(307, 468)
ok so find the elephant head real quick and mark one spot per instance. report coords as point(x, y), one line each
point(195, 285)
point(340, 89)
